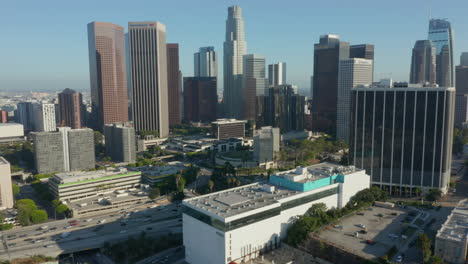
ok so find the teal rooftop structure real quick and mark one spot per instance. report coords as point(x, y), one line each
point(303, 179)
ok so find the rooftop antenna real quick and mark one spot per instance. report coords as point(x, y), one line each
point(430, 9)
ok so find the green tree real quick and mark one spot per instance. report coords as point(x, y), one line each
point(154, 193)
point(16, 189)
point(418, 191)
point(38, 216)
point(61, 209)
point(433, 195)
point(425, 246)
point(317, 209)
point(23, 217)
point(27, 203)
point(211, 185)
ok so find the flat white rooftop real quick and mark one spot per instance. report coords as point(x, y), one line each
point(77, 176)
point(239, 200)
point(227, 121)
point(456, 226)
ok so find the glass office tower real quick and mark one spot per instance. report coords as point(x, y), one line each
point(441, 35)
point(402, 136)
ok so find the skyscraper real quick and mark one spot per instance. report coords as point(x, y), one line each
point(362, 51)
point(44, 117)
point(71, 108)
point(25, 115)
point(235, 48)
point(327, 55)
point(3, 116)
point(277, 74)
point(423, 63)
point(352, 72)
point(120, 142)
point(464, 59)
point(200, 99)
point(173, 83)
point(107, 71)
point(402, 136)
point(441, 35)
point(148, 71)
point(282, 108)
point(205, 62)
point(254, 83)
point(461, 101)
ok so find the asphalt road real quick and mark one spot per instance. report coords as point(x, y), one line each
point(89, 232)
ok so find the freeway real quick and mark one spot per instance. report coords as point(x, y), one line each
point(84, 233)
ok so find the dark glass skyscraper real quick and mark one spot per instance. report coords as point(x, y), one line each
point(327, 55)
point(402, 136)
point(282, 108)
point(441, 35)
point(200, 99)
point(362, 51)
point(173, 83)
point(423, 63)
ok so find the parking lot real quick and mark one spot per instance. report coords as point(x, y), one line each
point(381, 226)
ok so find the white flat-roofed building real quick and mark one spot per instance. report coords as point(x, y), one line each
point(240, 223)
point(452, 238)
point(11, 132)
point(6, 191)
point(77, 185)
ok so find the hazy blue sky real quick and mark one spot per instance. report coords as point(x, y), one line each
point(43, 44)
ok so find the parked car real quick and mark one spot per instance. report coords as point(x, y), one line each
point(399, 259)
point(362, 226)
point(370, 242)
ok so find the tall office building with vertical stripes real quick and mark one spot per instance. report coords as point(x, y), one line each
point(402, 136)
point(235, 47)
point(109, 93)
point(148, 73)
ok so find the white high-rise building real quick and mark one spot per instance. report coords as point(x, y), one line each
point(277, 74)
point(44, 117)
point(235, 47)
point(352, 72)
point(6, 191)
point(148, 73)
point(206, 62)
point(254, 83)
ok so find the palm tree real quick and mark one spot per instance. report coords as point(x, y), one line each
point(211, 185)
point(418, 191)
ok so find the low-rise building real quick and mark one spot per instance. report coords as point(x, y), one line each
point(451, 241)
point(77, 185)
point(228, 128)
point(10, 132)
point(154, 174)
point(238, 224)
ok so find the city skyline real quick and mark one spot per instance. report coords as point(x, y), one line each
point(391, 57)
